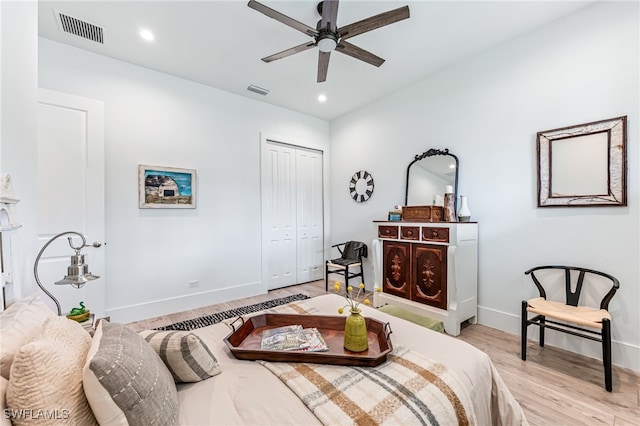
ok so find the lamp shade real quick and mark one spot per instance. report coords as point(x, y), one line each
point(77, 272)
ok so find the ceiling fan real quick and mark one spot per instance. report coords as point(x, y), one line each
point(328, 37)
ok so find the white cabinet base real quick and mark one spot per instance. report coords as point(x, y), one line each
point(409, 277)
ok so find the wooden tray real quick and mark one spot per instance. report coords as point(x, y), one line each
point(245, 340)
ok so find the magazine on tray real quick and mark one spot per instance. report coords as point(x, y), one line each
point(293, 338)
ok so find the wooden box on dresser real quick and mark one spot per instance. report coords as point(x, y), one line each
point(430, 268)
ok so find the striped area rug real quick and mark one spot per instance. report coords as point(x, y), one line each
point(231, 313)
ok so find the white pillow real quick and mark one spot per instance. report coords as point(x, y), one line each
point(186, 356)
point(18, 325)
point(126, 382)
point(4, 419)
point(46, 376)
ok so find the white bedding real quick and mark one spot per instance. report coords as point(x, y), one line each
point(246, 393)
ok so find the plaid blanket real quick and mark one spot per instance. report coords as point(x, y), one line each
point(408, 388)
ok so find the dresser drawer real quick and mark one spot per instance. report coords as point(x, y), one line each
point(440, 235)
point(388, 232)
point(409, 233)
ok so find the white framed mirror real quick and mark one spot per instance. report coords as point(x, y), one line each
point(583, 165)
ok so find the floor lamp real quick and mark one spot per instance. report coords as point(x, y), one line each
point(77, 272)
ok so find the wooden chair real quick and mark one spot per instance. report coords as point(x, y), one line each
point(351, 254)
point(573, 317)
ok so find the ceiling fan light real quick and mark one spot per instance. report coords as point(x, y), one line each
point(327, 45)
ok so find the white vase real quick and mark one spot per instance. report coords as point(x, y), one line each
point(464, 214)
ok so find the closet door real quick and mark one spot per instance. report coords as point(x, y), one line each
point(279, 215)
point(309, 215)
point(292, 214)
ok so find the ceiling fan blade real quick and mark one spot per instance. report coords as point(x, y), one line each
point(329, 15)
point(282, 18)
point(289, 52)
point(359, 53)
point(374, 22)
point(323, 65)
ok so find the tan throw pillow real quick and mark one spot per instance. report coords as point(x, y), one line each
point(19, 324)
point(126, 382)
point(186, 356)
point(46, 377)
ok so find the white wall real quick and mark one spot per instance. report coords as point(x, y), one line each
point(18, 140)
point(487, 111)
point(156, 119)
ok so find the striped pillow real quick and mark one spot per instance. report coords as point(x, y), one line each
point(186, 356)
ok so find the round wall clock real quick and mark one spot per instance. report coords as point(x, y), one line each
point(361, 186)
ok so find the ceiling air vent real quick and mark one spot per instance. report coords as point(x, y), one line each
point(258, 90)
point(80, 28)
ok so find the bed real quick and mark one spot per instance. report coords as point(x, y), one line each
point(118, 377)
point(247, 393)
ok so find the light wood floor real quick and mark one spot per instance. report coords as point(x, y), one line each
point(554, 386)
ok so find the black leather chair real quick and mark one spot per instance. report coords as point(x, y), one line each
point(351, 254)
point(571, 317)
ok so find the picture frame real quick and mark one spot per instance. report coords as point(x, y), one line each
point(583, 165)
point(166, 187)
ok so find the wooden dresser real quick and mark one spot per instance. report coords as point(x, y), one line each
point(428, 268)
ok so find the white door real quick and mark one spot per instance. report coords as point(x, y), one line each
point(292, 215)
point(71, 193)
point(309, 215)
point(279, 215)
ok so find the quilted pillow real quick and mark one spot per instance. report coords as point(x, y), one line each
point(19, 324)
point(46, 376)
point(4, 421)
point(186, 356)
point(126, 382)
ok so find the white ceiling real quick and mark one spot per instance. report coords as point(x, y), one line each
point(220, 43)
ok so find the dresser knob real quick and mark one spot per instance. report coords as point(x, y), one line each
point(409, 233)
point(434, 234)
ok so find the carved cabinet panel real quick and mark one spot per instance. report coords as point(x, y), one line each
point(397, 268)
point(430, 279)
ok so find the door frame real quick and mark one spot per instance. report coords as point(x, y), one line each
point(265, 138)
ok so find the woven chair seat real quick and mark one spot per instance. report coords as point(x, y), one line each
point(581, 315)
point(341, 263)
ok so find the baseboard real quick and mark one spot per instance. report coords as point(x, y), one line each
point(623, 354)
point(155, 308)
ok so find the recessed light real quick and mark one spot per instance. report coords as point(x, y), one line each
point(147, 35)
point(322, 98)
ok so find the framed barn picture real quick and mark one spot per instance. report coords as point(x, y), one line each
point(166, 188)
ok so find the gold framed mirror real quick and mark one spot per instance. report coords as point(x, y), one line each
point(583, 165)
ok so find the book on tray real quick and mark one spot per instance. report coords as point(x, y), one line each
point(293, 338)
